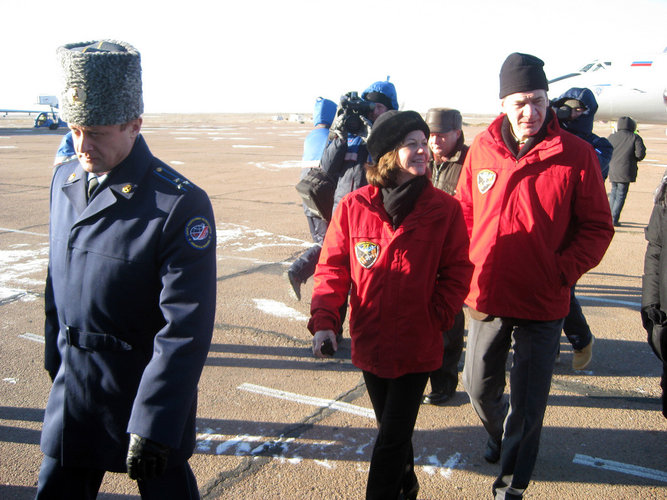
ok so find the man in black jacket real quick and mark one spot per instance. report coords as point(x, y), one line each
point(628, 150)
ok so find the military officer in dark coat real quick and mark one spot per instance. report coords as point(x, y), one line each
point(130, 295)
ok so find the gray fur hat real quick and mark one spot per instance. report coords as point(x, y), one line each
point(102, 83)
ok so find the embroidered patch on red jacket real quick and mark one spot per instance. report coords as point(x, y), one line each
point(198, 233)
point(485, 180)
point(367, 253)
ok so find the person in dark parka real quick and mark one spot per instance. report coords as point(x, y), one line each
point(576, 109)
point(313, 147)
point(130, 295)
point(628, 150)
point(448, 150)
point(654, 284)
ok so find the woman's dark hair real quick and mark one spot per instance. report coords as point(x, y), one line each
point(384, 173)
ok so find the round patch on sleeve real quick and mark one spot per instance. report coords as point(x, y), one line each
point(198, 233)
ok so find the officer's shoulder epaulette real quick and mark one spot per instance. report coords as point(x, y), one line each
point(170, 176)
point(59, 166)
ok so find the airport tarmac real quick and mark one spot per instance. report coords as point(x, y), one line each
point(276, 423)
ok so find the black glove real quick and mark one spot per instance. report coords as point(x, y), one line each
point(146, 459)
point(338, 128)
point(655, 314)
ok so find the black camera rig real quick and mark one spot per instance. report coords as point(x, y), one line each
point(354, 108)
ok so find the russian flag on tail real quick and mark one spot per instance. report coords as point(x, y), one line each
point(641, 63)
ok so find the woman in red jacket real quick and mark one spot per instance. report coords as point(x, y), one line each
point(401, 246)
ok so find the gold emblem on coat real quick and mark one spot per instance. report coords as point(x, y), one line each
point(72, 177)
point(127, 188)
point(485, 180)
point(367, 253)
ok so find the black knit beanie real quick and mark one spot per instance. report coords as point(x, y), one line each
point(522, 73)
point(391, 128)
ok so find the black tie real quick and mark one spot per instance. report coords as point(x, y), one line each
point(92, 186)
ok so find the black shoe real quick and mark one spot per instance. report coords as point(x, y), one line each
point(295, 283)
point(411, 494)
point(437, 398)
point(492, 452)
point(410, 490)
point(617, 224)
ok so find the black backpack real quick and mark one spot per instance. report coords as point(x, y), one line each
point(317, 192)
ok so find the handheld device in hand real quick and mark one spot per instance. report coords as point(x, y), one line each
point(327, 348)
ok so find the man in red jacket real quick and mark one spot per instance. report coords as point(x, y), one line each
point(538, 217)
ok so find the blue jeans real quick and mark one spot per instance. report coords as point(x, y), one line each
point(619, 191)
point(534, 345)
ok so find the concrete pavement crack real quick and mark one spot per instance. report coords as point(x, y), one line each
point(252, 465)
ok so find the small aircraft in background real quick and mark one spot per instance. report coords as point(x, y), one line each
point(50, 119)
point(631, 86)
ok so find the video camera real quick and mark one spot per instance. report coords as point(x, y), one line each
point(354, 107)
point(563, 111)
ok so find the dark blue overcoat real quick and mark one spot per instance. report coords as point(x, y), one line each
point(130, 303)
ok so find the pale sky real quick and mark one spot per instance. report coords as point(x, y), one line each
point(278, 56)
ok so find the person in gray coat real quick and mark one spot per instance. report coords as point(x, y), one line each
point(628, 150)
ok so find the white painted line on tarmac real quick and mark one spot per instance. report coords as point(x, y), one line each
point(278, 309)
point(22, 232)
point(634, 470)
point(32, 336)
point(308, 400)
point(610, 301)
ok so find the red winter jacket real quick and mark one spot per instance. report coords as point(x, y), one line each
point(407, 284)
point(536, 224)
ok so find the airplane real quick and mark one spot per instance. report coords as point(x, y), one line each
point(49, 119)
point(630, 86)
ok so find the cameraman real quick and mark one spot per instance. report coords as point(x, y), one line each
point(345, 157)
point(575, 110)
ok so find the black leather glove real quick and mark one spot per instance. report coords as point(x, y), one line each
point(146, 459)
point(337, 128)
point(655, 314)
